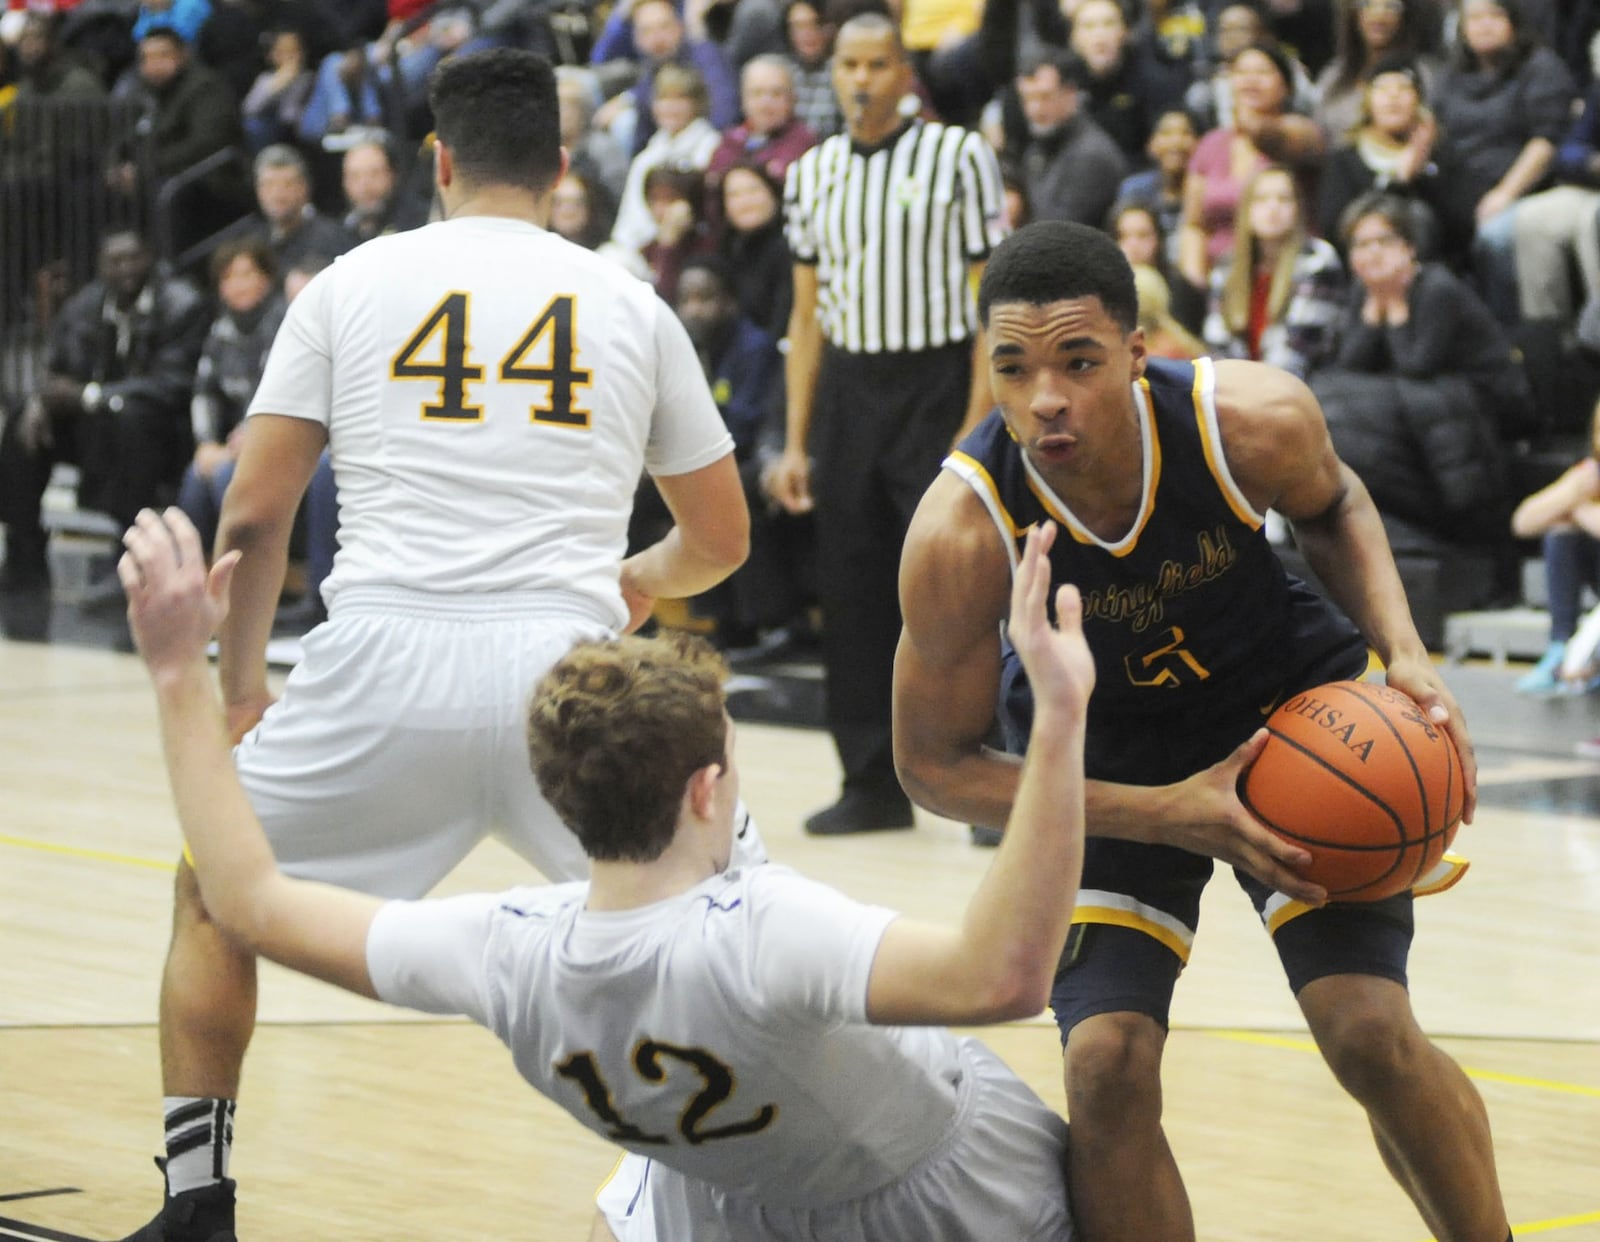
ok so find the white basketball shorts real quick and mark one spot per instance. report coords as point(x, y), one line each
point(399, 742)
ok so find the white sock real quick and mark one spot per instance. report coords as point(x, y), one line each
point(199, 1141)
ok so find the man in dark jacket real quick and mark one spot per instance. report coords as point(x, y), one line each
point(1070, 167)
point(114, 400)
point(192, 115)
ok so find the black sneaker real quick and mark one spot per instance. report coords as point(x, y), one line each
point(204, 1215)
point(985, 837)
point(859, 810)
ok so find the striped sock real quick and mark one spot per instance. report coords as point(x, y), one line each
point(199, 1141)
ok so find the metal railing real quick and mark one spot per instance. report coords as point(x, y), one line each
point(58, 198)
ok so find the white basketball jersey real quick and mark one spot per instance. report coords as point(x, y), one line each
point(492, 395)
point(722, 1032)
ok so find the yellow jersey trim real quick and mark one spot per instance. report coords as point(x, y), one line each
point(1147, 505)
point(1204, 395)
point(977, 477)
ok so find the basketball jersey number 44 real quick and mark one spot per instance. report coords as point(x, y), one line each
point(440, 351)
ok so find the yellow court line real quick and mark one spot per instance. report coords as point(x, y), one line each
point(1515, 1080)
point(78, 851)
point(1554, 1223)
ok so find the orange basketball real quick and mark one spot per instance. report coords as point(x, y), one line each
point(1360, 777)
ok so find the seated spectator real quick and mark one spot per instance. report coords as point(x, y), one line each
point(659, 35)
point(193, 115)
point(1139, 237)
point(1557, 230)
point(1263, 132)
point(1070, 166)
point(1164, 336)
point(1174, 33)
point(292, 227)
point(1398, 149)
point(1277, 297)
point(1565, 517)
point(1126, 89)
point(591, 153)
point(1160, 187)
point(278, 97)
point(580, 211)
point(244, 275)
point(114, 400)
point(676, 197)
point(1237, 26)
point(43, 70)
point(1370, 32)
point(367, 175)
point(754, 248)
point(682, 137)
point(770, 134)
point(810, 37)
point(1423, 378)
point(1505, 102)
point(348, 100)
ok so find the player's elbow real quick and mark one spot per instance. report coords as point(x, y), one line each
point(238, 915)
point(923, 775)
point(250, 521)
point(1015, 992)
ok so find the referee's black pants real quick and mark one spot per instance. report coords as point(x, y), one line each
point(880, 426)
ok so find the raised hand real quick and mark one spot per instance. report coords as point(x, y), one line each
point(1056, 657)
point(174, 606)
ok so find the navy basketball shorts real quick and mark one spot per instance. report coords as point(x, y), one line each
point(1139, 907)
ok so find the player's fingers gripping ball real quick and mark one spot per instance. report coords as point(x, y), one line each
point(1360, 777)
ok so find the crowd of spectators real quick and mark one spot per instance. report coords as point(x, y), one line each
point(1234, 149)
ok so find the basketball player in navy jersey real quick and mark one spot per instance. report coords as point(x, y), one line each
point(1160, 475)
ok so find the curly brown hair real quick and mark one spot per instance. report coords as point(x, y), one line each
point(615, 731)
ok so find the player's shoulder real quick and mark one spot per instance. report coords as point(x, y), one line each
point(955, 571)
point(1266, 418)
point(1253, 392)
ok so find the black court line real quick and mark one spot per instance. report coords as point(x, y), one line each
point(41, 1194)
point(35, 1233)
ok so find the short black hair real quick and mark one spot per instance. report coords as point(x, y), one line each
point(167, 33)
point(1071, 68)
point(253, 247)
point(498, 113)
point(1056, 260)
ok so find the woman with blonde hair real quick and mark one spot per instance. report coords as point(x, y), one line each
point(1164, 336)
point(1278, 300)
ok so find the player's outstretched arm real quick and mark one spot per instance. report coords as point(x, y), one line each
point(174, 607)
point(1000, 962)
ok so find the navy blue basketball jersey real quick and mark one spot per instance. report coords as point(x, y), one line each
point(1197, 630)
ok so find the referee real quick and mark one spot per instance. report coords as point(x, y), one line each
point(889, 224)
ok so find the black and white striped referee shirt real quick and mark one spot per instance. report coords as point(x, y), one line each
point(892, 231)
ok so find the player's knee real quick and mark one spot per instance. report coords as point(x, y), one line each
point(1113, 1070)
point(1370, 1048)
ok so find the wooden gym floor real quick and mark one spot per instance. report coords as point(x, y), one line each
point(359, 1122)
